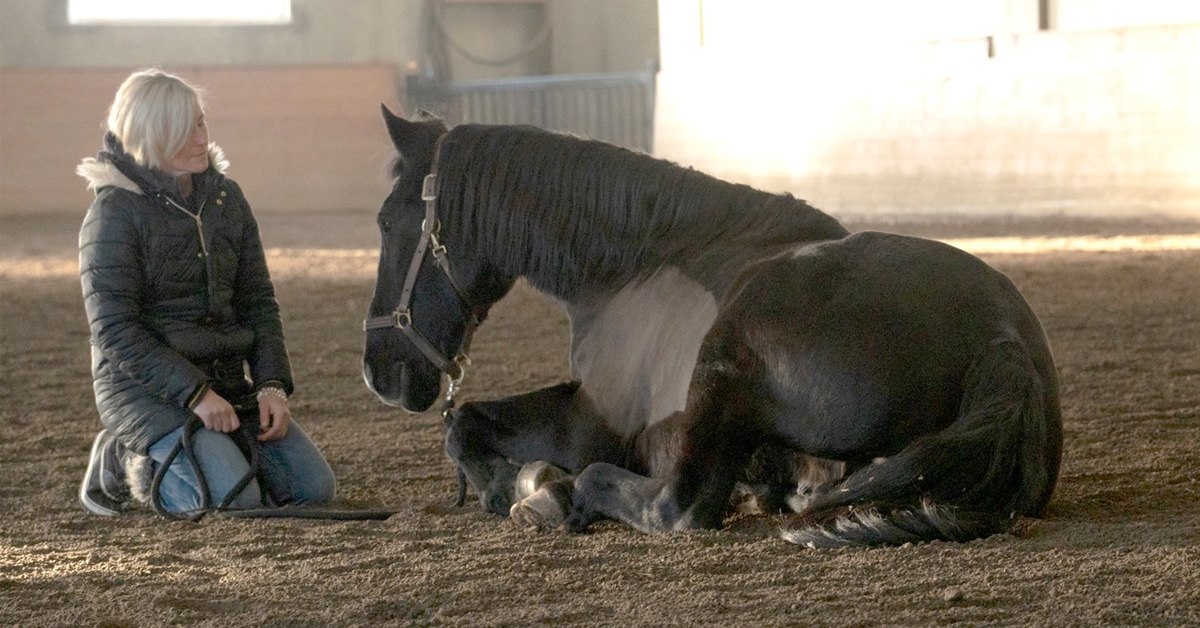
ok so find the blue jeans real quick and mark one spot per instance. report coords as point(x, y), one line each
point(292, 471)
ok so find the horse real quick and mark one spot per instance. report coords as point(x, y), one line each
point(888, 388)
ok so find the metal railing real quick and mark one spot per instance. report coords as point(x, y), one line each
point(614, 107)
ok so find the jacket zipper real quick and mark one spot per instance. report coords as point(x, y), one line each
point(208, 270)
point(199, 223)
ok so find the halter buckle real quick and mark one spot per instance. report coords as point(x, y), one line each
point(429, 188)
point(403, 318)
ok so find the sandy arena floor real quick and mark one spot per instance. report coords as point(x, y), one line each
point(1120, 301)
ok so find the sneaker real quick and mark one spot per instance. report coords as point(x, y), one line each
point(104, 490)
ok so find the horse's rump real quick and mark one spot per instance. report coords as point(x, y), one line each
point(998, 461)
point(914, 362)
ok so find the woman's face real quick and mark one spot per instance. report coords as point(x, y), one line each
point(193, 157)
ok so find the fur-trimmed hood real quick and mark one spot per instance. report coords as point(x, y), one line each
point(114, 167)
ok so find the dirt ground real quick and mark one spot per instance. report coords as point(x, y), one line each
point(1120, 545)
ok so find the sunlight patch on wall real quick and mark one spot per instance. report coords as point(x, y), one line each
point(934, 105)
point(222, 12)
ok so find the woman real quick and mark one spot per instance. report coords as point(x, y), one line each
point(184, 321)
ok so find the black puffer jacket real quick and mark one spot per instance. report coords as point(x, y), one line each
point(170, 285)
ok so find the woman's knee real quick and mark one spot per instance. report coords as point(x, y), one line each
point(297, 471)
point(319, 488)
point(223, 468)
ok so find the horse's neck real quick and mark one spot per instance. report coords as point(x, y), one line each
point(635, 351)
point(719, 271)
point(597, 228)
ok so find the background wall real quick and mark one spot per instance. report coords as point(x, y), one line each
point(585, 36)
point(982, 106)
point(35, 33)
point(296, 106)
point(939, 105)
point(297, 137)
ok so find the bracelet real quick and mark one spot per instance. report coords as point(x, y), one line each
point(271, 390)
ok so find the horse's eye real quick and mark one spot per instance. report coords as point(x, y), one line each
point(385, 225)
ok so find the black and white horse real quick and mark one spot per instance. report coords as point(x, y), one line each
point(719, 334)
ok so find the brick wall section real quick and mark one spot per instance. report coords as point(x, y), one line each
point(1095, 121)
point(297, 138)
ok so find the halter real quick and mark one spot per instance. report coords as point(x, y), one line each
point(401, 317)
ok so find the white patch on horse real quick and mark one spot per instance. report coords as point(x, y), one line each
point(635, 352)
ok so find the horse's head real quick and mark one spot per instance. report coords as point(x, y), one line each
point(428, 296)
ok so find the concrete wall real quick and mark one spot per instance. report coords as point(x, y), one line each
point(35, 33)
point(858, 105)
point(295, 106)
point(1079, 15)
point(297, 138)
point(586, 36)
point(617, 35)
point(931, 107)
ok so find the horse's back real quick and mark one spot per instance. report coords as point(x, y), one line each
point(867, 340)
point(948, 293)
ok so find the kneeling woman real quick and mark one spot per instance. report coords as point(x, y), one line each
point(184, 322)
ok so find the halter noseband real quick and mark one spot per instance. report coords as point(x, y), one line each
point(401, 317)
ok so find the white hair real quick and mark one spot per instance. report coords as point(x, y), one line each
point(153, 115)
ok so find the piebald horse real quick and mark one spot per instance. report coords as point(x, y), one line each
point(891, 389)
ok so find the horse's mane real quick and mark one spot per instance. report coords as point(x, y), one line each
point(564, 211)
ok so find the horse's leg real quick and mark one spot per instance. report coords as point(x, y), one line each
point(491, 440)
point(542, 495)
point(779, 479)
point(695, 457)
point(655, 449)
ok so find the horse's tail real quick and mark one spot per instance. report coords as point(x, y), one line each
point(998, 461)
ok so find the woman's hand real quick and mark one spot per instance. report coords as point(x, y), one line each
point(216, 413)
point(273, 417)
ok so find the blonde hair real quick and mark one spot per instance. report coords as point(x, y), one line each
point(153, 115)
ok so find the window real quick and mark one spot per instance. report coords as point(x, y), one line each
point(179, 12)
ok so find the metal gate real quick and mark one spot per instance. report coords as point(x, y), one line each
point(617, 108)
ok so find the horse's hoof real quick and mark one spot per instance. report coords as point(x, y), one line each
point(803, 497)
point(532, 476)
point(541, 510)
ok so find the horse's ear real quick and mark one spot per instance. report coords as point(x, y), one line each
point(398, 128)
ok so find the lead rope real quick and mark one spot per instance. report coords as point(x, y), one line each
point(186, 446)
point(461, 497)
point(452, 389)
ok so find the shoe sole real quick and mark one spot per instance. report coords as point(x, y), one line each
point(88, 502)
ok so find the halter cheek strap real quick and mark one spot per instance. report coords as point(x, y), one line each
point(401, 317)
